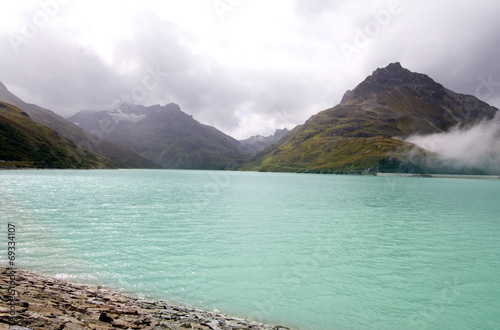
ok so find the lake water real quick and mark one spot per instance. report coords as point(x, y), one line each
point(305, 251)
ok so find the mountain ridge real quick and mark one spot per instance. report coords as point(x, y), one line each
point(165, 135)
point(365, 133)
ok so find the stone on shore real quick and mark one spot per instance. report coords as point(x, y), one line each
point(47, 303)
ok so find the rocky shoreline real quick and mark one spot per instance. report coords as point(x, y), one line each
point(48, 303)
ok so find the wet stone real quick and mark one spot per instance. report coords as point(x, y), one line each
point(47, 303)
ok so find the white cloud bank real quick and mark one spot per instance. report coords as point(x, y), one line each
point(475, 147)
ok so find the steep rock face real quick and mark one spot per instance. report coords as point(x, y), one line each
point(114, 155)
point(164, 135)
point(416, 98)
point(361, 133)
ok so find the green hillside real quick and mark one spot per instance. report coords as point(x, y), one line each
point(25, 143)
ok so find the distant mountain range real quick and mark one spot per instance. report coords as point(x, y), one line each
point(363, 134)
point(258, 143)
point(171, 138)
point(131, 136)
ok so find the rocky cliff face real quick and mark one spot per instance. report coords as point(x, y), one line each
point(363, 133)
point(417, 99)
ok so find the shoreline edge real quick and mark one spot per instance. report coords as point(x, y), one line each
point(43, 302)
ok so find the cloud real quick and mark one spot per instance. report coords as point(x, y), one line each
point(264, 63)
point(476, 147)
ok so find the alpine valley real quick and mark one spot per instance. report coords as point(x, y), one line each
point(364, 134)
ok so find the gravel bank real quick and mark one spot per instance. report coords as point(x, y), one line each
point(47, 303)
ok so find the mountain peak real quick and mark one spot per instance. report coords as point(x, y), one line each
point(172, 107)
point(393, 70)
point(395, 77)
point(394, 66)
point(165, 135)
point(394, 73)
point(364, 133)
point(2, 86)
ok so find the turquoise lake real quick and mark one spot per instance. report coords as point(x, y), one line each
point(299, 250)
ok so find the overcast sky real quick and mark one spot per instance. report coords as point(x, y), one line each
point(244, 66)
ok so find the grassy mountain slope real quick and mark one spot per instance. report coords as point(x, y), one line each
point(25, 143)
point(363, 133)
point(116, 156)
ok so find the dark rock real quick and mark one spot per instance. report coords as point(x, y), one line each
point(105, 318)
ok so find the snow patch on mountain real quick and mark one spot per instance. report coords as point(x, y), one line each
point(118, 115)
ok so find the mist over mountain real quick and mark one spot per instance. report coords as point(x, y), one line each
point(366, 132)
point(165, 135)
point(476, 147)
